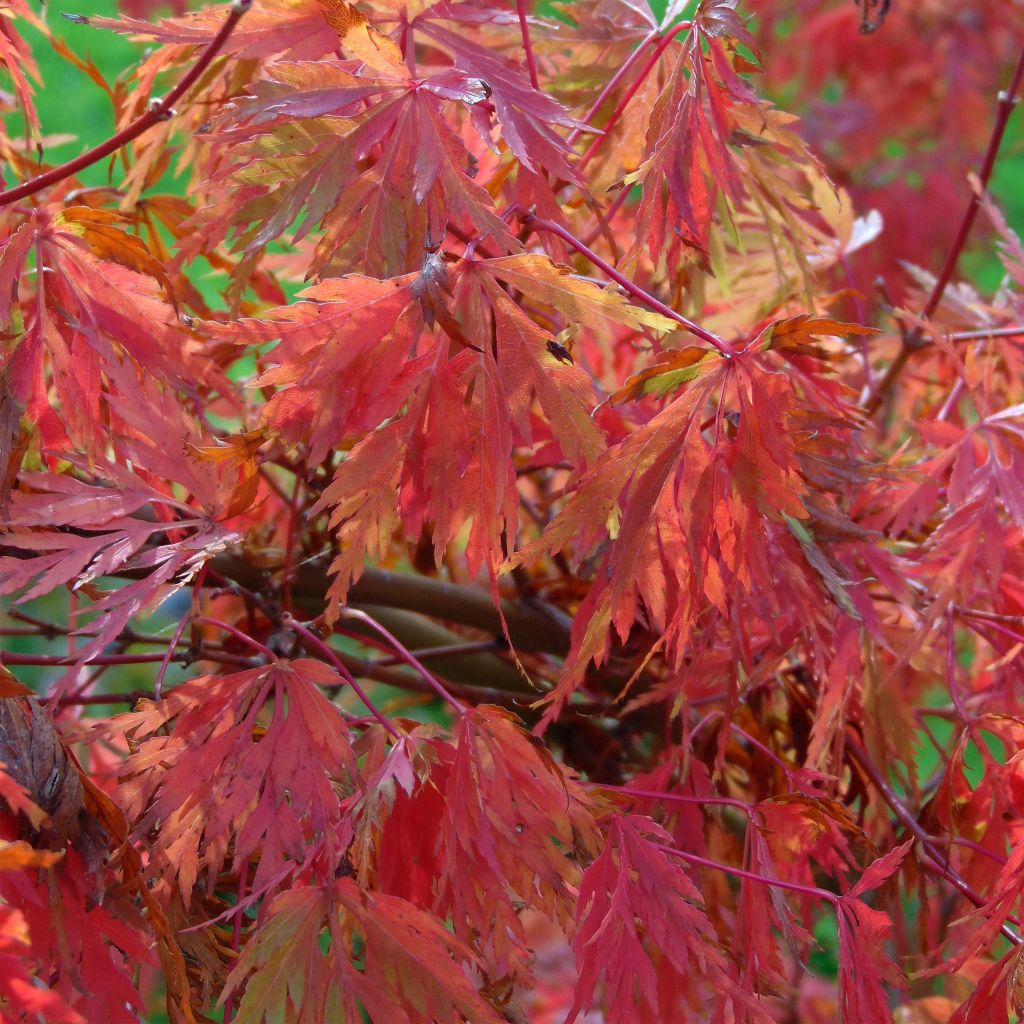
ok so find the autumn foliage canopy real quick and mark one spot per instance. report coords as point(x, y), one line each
point(513, 512)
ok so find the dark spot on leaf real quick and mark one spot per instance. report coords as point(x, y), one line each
point(560, 352)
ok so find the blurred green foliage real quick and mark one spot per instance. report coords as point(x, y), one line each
point(69, 102)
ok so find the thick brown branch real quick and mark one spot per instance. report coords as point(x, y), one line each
point(403, 601)
point(415, 631)
point(532, 626)
point(406, 603)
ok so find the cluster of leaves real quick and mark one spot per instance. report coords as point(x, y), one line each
point(499, 370)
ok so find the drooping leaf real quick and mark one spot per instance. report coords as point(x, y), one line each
point(85, 954)
point(864, 966)
point(293, 27)
point(340, 338)
point(643, 938)
point(309, 137)
point(301, 967)
point(580, 300)
point(253, 755)
point(528, 118)
point(513, 824)
point(92, 531)
point(18, 61)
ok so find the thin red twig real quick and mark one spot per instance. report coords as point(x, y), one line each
point(682, 798)
point(638, 293)
point(159, 110)
point(100, 698)
point(611, 85)
point(714, 865)
point(48, 629)
point(1007, 101)
point(969, 845)
point(912, 341)
point(909, 822)
point(632, 90)
point(238, 635)
point(531, 63)
point(995, 332)
point(613, 209)
point(62, 660)
point(158, 686)
point(318, 647)
point(406, 655)
point(443, 651)
point(58, 660)
point(754, 742)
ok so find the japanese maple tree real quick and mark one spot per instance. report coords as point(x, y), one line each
point(512, 512)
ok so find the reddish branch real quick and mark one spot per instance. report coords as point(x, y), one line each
point(406, 655)
point(447, 651)
point(158, 110)
point(238, 635)
point(682, 798)
point(914, 827)
point(634, 86)
point(631, 288)
point(531, 63)
point(914, 340)
point(60, 660)
point(66, 661)
point(995, 332)
point(316, 646)
point(610, 86)
point(158, 686)
point(714, 865)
